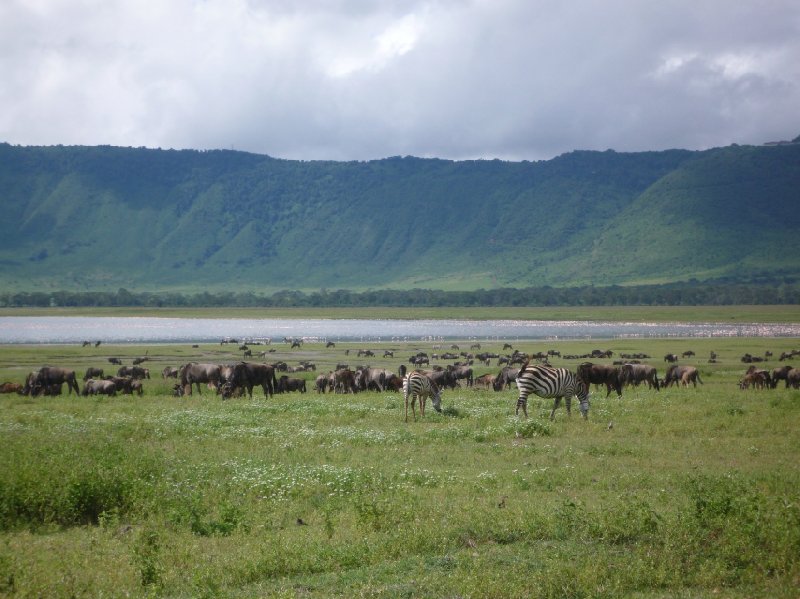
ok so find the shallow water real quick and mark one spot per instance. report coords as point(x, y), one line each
point(75, 329)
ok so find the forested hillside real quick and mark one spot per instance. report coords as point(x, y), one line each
point(98, 218)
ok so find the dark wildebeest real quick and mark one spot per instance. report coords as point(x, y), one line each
point(135, 372)
point(761, 375)
point(793, 378)
point(671, 358)
point(755, 379)
point(443, 379)
point(601, 374)
point(9, 387)
point(92, 373)
point(286, 384)
point(780, 374)
point(687, 354)
point(321, 382)
point(505, 377)
point(683, 375)
point(115, 361)
point(462, 372)
point(247, 375)
point(194, 374)
point(139, 360)
point(330, 344)
point(99, 387)
point(53, 375)
point(635, 374)
point(371, 378)
point(344, 381)
point(486, 381)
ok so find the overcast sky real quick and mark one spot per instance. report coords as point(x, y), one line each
point(364, 79)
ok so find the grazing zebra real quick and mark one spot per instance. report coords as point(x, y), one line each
point(418, 385)
point(547, 382)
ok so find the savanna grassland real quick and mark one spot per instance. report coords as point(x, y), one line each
point(684, 492)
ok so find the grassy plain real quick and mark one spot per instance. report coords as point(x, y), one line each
point(684, 492)
point(778, 313)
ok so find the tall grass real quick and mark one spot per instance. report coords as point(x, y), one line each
point(683, 492)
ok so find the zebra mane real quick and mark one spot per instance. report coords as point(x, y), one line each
point(524, 365)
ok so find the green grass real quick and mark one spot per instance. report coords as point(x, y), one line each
point(779, 313)
point(691, 492)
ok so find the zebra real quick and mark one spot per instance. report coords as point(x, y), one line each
point(547, 382)
point(418, 385)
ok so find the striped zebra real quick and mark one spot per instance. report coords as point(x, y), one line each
point(418, 385)
point(547, 382)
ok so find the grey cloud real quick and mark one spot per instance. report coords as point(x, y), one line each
point(357, 79)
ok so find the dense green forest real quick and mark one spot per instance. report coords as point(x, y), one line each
point(225, 224)
point(715, 293)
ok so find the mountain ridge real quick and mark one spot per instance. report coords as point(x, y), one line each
point(103, 217)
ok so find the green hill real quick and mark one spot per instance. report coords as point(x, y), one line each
point(92, 218)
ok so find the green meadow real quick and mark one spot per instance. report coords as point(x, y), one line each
point(683, 492)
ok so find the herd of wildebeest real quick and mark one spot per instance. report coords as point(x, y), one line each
point(236, 379)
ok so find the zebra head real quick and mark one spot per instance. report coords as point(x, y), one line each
point(436, 397)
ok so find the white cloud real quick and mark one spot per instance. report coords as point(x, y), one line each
point(358, 79)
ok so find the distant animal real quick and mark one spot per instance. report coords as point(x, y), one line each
point(635, 374)
point(248, 375)
point(417, 386)
point(507, 346)
point(321, 382)
point(136, 372)
point(687, 354)
point(330, 344)
point(388, 353)
point(297, 343)
point(195, 374)
point(671, 358)
point(485, 381)
point(93, 373)
point(115, 361)
point(682, 374)
point(9, 387)
point(169, 372)
point(53, 375)
point(549, 382)
point(286, 384)
point(601, 374)
point(99, 387)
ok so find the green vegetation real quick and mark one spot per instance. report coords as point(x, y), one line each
point(677, 493)
point(100, 218)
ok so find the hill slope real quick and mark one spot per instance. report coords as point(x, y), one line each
point(104, 217)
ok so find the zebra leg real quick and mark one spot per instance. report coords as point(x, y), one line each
point(568, 402)
point(522, 402)
point(556, 403)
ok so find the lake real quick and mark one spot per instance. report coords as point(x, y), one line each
point(76, 329)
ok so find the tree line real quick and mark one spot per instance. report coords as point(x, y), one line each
point(673, 294)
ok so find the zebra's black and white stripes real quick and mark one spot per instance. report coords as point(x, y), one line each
point(547, 382)
point(418, 385)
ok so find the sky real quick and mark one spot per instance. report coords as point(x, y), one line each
point(368, 79)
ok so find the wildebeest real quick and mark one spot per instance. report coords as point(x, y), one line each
point(140, 359)
point(194, 374)
point(485, 381)
point(321, 382)
point(505, 377)
point(115, 361)
point(47, 376)
point(92, 373)
point(683, 375)
point(635, 374)
point(9, 387)
point(248, 375)
point(371, 378)
point(135, 372)
point(687, 354)
point(169, 372)
point(286, 384)
point(330, 344)
point(793, 378)
point(344, 381)
point(671, 358)
point(780, 374)
point(601, 374)
point(99, 387)
point(462, 372)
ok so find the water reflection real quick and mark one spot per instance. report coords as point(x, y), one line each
point(75, 329)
